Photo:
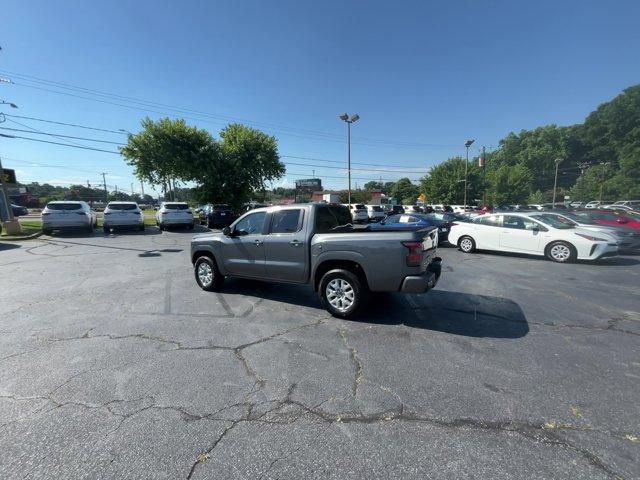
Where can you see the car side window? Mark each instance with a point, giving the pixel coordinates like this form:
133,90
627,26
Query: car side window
511,221
251,224
286,221
392,219
491,220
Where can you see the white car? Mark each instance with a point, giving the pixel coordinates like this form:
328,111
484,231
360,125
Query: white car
122,214
62,215
173,214
592,204
532,233
358,213
376,213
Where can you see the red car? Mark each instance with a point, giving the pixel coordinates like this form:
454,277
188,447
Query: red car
610,217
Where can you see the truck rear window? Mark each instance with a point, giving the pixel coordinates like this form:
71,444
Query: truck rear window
176,206
330,217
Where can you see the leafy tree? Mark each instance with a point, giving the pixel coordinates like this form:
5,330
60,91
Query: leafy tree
445,182
509,184
230,170
404,190
373,185
537,197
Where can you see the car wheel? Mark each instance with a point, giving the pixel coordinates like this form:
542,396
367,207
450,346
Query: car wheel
106,229
161,227
207,274
141,228
561,252
90,228
466,244
341,293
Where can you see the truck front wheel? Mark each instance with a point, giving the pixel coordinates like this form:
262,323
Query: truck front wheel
341,293
207,274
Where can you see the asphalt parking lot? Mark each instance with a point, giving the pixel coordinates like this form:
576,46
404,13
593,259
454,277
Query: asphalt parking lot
114,364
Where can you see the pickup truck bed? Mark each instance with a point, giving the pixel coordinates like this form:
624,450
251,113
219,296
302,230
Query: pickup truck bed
315,244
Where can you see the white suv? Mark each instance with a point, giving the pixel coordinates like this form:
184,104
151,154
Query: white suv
122,214
358,213
174,214
375,213
62,215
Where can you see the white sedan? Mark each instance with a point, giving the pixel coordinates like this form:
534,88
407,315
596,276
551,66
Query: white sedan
532,233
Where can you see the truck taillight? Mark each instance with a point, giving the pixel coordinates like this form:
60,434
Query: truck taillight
414,257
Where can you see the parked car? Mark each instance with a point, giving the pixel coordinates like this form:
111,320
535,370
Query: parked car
218,216
19,210
592,204
252,206
632,204
315,244
359,213
375,212
627,239
394,209
122,214
532,233
412,209
416,221
173,214
613,217
66,215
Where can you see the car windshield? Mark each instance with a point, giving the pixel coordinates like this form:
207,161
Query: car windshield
64,206
580,218
553,221
359,206
376,208
176,206
122,206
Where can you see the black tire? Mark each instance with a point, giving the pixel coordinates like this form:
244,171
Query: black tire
561,252
190,227
106,230
216,280
353,285
161,227
47,231
141,228
90,228
467,244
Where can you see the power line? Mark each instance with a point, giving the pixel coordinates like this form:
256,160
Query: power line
60,136
65,124
35,130
145,104
58,143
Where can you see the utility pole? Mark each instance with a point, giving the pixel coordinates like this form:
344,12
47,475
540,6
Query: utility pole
483,164
104,184
467,144
142,187
555,183
132,189
604,166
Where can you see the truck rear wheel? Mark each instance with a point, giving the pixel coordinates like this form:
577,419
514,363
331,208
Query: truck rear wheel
207,274
341,293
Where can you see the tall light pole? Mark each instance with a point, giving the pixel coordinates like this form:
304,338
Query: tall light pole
467,144
345,118
555,183
12,225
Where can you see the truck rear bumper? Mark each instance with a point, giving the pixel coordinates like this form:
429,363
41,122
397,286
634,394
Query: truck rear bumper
424,282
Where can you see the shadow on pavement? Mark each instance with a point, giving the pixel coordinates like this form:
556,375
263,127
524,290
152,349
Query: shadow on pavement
8,246
438,310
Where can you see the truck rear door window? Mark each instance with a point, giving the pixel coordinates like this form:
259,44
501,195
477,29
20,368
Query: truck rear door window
330,217
286,221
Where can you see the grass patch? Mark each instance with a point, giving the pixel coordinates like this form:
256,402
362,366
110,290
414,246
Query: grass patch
29,227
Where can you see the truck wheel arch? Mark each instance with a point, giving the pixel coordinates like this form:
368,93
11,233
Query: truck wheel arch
350,265
204,253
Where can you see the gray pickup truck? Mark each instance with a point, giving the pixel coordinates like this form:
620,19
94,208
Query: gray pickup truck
316,244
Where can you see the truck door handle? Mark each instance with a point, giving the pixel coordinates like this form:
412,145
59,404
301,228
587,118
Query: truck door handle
295,243
257,241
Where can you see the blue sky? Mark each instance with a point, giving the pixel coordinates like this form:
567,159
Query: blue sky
423,76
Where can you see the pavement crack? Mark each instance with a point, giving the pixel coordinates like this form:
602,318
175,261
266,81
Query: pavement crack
357,362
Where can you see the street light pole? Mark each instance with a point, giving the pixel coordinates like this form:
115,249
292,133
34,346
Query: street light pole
467,144
349,120
555,183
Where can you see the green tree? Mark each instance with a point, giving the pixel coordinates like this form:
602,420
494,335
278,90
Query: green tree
405,191
445,182
230,170
509,184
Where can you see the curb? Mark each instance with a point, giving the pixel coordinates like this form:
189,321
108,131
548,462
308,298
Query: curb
17,239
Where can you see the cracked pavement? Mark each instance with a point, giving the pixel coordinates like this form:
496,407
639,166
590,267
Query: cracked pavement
114,364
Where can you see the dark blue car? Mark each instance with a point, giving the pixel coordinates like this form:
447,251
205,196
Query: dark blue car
414,221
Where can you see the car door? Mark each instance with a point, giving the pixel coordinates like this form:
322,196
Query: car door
284,246
520,234
487,234
243,251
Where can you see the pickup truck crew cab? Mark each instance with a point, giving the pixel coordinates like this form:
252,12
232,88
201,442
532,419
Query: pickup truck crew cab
316,244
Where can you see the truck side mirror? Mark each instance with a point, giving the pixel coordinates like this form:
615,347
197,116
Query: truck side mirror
227,232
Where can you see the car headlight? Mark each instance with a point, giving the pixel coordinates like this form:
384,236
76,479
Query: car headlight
591,238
